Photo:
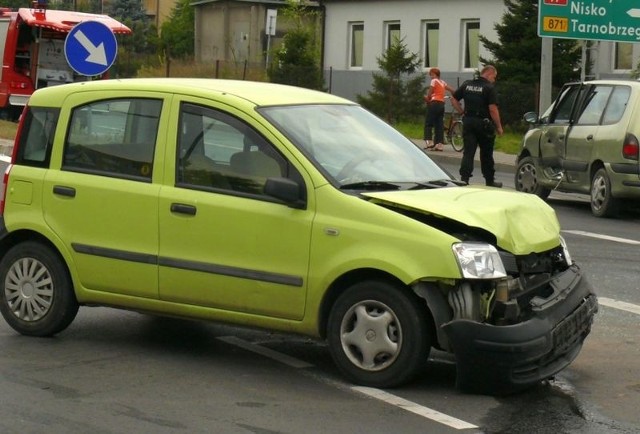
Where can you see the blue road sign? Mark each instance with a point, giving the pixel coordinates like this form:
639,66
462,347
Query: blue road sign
90,48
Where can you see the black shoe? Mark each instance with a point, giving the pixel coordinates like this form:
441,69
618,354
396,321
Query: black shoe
465,180
496,184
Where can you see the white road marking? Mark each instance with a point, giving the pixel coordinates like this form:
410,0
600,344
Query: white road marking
414,408
610,302
282,358
617,304
603,237
378,394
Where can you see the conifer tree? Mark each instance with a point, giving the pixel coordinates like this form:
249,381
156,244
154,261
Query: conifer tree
517,53
397,94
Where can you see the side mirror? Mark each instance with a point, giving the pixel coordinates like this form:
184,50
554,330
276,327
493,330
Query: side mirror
286,190
531,117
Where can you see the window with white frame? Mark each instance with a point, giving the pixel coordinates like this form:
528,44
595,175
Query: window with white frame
356,46
471,44
392,33
623,54
431,32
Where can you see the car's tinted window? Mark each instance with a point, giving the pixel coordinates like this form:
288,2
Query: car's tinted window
594,104
218,151
564,108
617,104
113,137
36,139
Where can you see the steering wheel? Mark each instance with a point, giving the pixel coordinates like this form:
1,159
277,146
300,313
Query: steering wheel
345,172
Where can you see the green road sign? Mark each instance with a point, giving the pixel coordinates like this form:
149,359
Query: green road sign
602,20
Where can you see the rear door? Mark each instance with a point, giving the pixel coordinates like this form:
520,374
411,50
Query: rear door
583,136
100,199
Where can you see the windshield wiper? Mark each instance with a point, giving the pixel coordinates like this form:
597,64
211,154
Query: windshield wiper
437,183
370,185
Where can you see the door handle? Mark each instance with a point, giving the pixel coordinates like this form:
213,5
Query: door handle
64,191
182,208
590,137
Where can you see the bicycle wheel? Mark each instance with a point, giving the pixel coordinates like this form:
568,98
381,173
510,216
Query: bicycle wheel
455,136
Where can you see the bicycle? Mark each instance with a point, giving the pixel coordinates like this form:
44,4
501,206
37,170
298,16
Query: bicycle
453,130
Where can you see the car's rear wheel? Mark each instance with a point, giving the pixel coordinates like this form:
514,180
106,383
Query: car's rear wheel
36,297
378,334
527,179
603,204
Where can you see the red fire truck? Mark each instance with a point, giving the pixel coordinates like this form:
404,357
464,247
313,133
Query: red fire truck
32,51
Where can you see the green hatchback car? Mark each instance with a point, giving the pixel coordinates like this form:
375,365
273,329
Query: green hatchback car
286,209
586,142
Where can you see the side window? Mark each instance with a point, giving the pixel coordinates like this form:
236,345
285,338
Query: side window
217,151
562,112
36,140
594,105
113,138
617,104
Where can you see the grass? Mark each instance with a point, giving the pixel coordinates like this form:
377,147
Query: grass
508,143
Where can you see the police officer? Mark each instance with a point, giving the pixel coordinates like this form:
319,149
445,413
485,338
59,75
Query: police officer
481,122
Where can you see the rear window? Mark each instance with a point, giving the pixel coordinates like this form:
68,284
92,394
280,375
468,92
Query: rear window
114,138
36,138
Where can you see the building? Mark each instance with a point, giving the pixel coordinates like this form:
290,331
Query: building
444,33
239,30
355,33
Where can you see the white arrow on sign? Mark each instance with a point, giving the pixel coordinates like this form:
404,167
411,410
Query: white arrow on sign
96,54
634,13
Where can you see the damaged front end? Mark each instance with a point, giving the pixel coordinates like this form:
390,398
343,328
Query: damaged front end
513,320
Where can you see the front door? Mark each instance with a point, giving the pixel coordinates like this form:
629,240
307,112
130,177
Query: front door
223,243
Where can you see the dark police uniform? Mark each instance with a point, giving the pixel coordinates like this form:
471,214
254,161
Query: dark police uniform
478,128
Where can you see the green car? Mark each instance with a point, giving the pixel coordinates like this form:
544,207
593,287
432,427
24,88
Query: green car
586,142
286,209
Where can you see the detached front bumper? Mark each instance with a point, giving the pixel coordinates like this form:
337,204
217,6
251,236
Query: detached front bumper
502,359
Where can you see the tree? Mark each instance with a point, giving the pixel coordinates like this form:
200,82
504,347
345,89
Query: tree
141,45
297,61
177,36
517,54
396,94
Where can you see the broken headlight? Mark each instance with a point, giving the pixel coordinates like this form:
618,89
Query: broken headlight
565,252
479,261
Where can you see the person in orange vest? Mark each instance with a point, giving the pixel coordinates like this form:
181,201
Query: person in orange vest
434,121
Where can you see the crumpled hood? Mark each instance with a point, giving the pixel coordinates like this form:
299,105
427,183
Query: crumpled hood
522,223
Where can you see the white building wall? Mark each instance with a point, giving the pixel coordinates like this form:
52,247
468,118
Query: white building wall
410,14
451,14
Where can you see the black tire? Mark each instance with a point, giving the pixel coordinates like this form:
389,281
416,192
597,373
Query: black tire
455,136
36,296
603,204
378,334
527,179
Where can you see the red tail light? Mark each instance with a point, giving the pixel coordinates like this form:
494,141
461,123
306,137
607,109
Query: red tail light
630,148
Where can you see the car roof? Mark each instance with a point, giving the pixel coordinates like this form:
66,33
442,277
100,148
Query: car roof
257,93
634,83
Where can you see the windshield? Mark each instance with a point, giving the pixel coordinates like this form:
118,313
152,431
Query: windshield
353,147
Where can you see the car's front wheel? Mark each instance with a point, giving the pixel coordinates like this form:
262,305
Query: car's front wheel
528,179
36,296
603,204
378,334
